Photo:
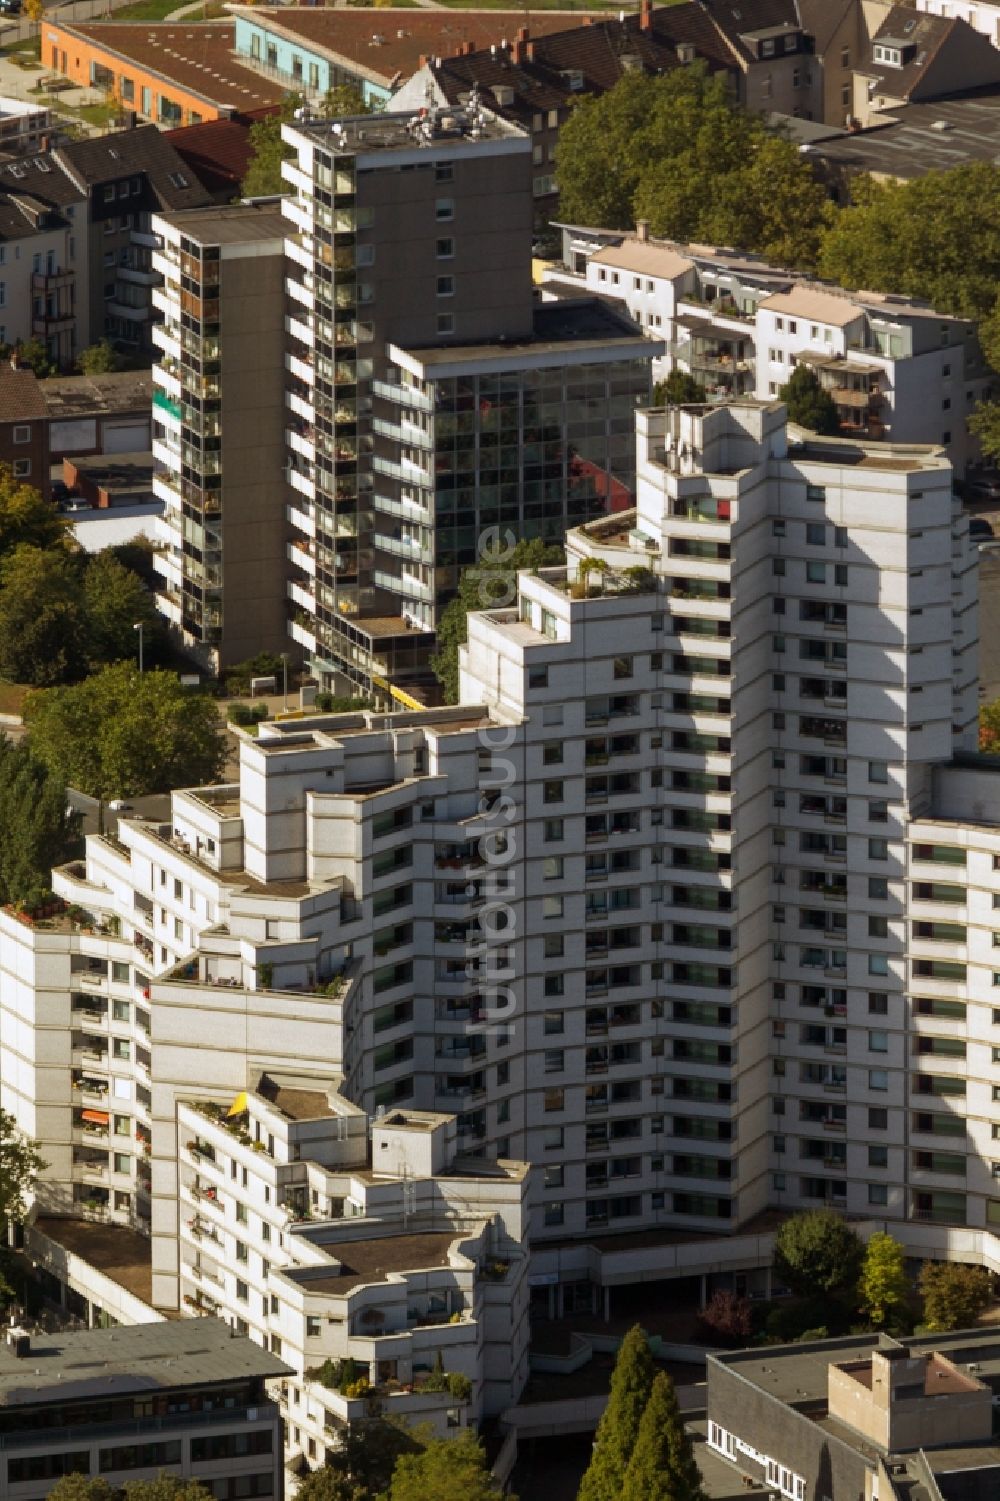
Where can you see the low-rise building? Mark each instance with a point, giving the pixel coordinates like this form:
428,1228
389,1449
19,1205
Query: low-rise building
98,414
916,57
867,1416
183,1398
895,367
23,126
24,428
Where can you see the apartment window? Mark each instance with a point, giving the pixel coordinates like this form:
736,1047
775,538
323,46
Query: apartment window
444,172
538,677
552,868
878,1003
553,830
445,249
878,1193
553,1214
123,1125
554,1099
815,534
552,792
121,1011
22,433
552,1023
121,1048
878,1042
878,927
878,1079
623,667
878,771
815,573
878,1156
446,286
552,906
878,849
22,468
878,1118
878,888
552,753
553,945
445,323
444,209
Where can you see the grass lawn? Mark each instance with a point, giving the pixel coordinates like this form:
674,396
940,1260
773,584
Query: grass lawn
90,114
29,47
12,696
159,10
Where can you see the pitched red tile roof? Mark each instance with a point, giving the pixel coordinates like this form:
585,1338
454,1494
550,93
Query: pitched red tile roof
218,151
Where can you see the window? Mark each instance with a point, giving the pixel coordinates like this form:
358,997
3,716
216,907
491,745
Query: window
22,432
552,1023
878,1156
552,792
445,323
552,868
552,753
553,830
123,1162
815,534
878,771
878,1078
22,468
878,1193
554,1100
446,286
878,1118
878,1042
815,573
445,249
444,209
120,1048
121,1011
538,677
552,906
444,172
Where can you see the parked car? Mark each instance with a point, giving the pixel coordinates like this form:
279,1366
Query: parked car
979,488
980,529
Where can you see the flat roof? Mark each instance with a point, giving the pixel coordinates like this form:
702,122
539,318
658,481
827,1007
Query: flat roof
196,56
371,1260
388,47
142,1358
909,141
230,223
445,126
297,1103
122,1254
72,396
559,328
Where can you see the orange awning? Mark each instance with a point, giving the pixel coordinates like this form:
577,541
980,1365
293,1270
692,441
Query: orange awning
97,1117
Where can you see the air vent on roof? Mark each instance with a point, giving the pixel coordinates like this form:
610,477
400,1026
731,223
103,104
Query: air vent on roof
941,125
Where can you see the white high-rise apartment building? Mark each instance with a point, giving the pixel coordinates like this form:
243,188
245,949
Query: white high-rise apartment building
895,367
671,907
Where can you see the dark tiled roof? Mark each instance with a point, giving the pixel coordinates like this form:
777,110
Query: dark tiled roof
21,398
601,52
144,149
218,151
926,36
736,18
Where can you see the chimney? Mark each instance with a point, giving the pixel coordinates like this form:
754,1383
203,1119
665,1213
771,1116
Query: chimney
518,49
522,34
587,21
421,61
646,15
642,229
529,51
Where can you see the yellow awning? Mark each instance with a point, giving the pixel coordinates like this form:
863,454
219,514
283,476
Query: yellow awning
240,1105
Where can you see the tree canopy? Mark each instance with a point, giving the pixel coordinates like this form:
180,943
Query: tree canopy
662,1466
26,519
808,404
122,733
36,832
98,359
936,236
115,600
816,1253
263,175
679,389
954,1294
492,581
42,617
446,1469
883,1287
20,1164
618,1430
96,1488
675,150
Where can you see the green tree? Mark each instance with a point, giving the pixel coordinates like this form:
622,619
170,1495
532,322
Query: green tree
98,359
36,832
20,1164
34,354
166,1488
662,1467
447,1469
491,582
82,1488
937,236
954,1294
883,1287
115,600
344,99
989,727
263,175
121,733
41,617
817,1254
327,1484
618,1430
674,149
808,404
984,424
26,519
679,389
366,1456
